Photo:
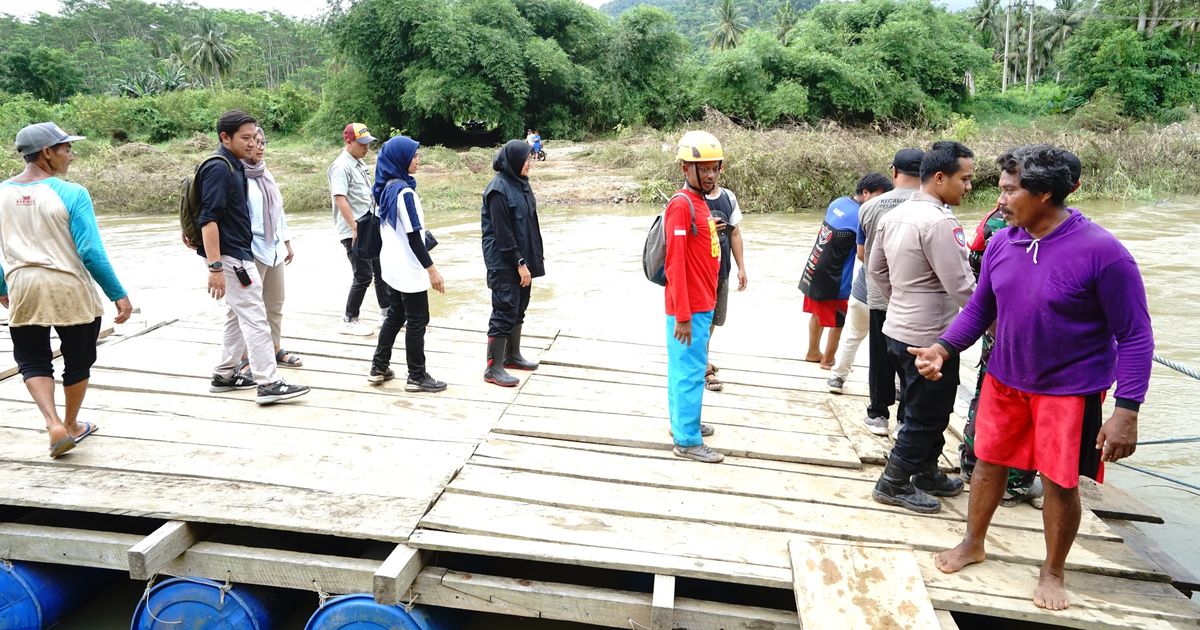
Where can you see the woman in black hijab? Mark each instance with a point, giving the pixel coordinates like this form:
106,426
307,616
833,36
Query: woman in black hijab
512,250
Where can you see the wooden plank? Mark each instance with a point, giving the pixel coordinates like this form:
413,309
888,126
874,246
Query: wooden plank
1109,501
811,419
584,604
544,385
946,620
662,603
648,432
64,545
572,554
808,484
957,592
795,389
179,415
209,500
306,466
629,523
151,553
1182,578
871,448
1088,593
858,586
397,573
273,567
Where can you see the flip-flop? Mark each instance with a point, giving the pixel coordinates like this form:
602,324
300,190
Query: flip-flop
61,446
712,383
88,429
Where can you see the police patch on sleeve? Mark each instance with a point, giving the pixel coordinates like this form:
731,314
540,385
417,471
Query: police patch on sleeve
960,236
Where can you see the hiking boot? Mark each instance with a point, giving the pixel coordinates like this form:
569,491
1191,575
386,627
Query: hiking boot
512,353
895,488
938,484
700,453
378,376
351,326
495,372
705,430
278,391
229,383
878,426
906,496
835,384
424,383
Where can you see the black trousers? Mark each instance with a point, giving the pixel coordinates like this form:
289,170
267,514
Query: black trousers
410,310
881,374
364,270
509,301
31,349
927,408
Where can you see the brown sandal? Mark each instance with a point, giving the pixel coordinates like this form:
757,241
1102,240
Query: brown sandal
712,383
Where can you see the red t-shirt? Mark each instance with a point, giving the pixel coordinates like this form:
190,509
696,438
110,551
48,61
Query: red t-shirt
693,260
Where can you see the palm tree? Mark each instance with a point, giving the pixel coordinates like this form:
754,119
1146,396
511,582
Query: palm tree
209,53
727,31
1055,26
987,17
785,20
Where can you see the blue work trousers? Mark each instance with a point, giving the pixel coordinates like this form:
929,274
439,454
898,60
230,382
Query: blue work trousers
686,366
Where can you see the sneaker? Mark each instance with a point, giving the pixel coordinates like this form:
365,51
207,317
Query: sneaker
378,376
229,383
905,495
938,484
1016,495
835,384
424,383
878,426
700,453
351,326
278,391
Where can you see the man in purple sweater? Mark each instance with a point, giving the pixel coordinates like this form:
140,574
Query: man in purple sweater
1071,317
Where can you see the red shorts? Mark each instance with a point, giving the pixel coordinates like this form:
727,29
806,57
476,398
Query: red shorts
830,313
1055,435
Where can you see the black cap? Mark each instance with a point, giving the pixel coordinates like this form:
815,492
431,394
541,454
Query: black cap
908,161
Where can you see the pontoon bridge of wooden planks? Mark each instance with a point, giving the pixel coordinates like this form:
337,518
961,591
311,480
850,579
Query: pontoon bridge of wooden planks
559,499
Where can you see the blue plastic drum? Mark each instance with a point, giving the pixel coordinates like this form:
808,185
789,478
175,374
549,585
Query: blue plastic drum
361,612
35,596
197,604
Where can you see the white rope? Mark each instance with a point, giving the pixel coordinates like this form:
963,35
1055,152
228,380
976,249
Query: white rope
633,625
225,589
412,602
322,596
149,609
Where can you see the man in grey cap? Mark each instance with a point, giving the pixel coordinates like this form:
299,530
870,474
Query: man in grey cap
51,258
881,375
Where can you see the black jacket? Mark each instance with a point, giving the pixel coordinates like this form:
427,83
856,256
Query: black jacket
509,218
223,200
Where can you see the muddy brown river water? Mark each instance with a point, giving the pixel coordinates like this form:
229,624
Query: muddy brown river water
594,284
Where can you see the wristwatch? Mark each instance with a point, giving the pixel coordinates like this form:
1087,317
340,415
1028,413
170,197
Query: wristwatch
520,262
215,266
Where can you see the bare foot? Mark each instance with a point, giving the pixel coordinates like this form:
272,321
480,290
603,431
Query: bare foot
826,366
814,358
1051,592
58,433
953,560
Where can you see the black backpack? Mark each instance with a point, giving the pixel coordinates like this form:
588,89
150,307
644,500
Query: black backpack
654,252
189,203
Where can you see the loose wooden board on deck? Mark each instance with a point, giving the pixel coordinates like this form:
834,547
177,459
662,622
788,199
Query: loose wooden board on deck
839,585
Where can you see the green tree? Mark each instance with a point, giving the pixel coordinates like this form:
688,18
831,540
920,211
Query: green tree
987,18
47,73
785,20
727,31
209,53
